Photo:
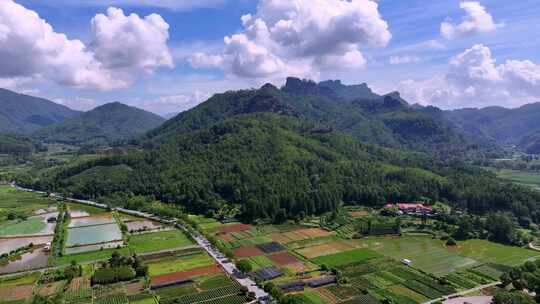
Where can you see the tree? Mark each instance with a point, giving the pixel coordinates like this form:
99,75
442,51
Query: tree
465,228
244,266
500,227
512,298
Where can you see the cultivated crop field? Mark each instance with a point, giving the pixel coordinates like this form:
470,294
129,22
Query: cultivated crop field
487,251
425,252
158,241
354,256
176,264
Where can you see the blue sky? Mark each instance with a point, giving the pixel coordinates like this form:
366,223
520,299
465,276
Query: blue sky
488,54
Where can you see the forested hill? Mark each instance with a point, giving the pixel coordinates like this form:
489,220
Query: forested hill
23,114
105,124
16,144
518,126
383,120
279,166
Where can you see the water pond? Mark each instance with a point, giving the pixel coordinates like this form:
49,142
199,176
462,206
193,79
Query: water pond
7,245
93,235
29,261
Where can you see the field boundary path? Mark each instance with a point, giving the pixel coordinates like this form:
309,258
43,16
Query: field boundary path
219,257
464,292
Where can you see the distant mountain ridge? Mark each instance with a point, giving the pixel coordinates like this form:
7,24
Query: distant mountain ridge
386,120
23,114
519,126
102,125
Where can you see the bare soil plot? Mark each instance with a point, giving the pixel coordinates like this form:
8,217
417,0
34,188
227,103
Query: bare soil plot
280,238
234,228
299,267
142,225
324,249
184,275
227,238
51,288
313,232
14,293
246,252
134,288
358,213
283,259
299,235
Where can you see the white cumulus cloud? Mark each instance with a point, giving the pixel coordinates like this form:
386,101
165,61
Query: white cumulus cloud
475,79
121,47
131,42
303,37
477,20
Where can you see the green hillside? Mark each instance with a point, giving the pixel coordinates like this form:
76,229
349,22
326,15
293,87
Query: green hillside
103,125
23,114
507,126
276,166
383,120
11,144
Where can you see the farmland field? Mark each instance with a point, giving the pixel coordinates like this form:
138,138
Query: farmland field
175,264
487,251
157,241
425,252
346,257
20,201
324,249
531,179
27,227
88,256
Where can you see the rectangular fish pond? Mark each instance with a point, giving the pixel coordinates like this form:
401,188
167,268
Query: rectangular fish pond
90,235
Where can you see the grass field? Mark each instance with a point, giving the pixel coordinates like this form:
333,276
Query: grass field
346,257
157,241
27,227
519,177
88,256
487,251
426,253
20,201
259,262
175,264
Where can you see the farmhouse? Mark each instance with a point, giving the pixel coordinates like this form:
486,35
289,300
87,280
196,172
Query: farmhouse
411,208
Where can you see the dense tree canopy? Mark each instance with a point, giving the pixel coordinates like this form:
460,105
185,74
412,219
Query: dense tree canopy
277,167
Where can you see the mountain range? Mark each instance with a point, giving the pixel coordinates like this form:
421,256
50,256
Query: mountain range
23,114
519,126
301,149
385,120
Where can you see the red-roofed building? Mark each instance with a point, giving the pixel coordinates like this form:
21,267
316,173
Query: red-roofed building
410,207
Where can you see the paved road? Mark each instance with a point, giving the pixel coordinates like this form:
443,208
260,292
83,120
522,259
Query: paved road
461,293
220,258
229,267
